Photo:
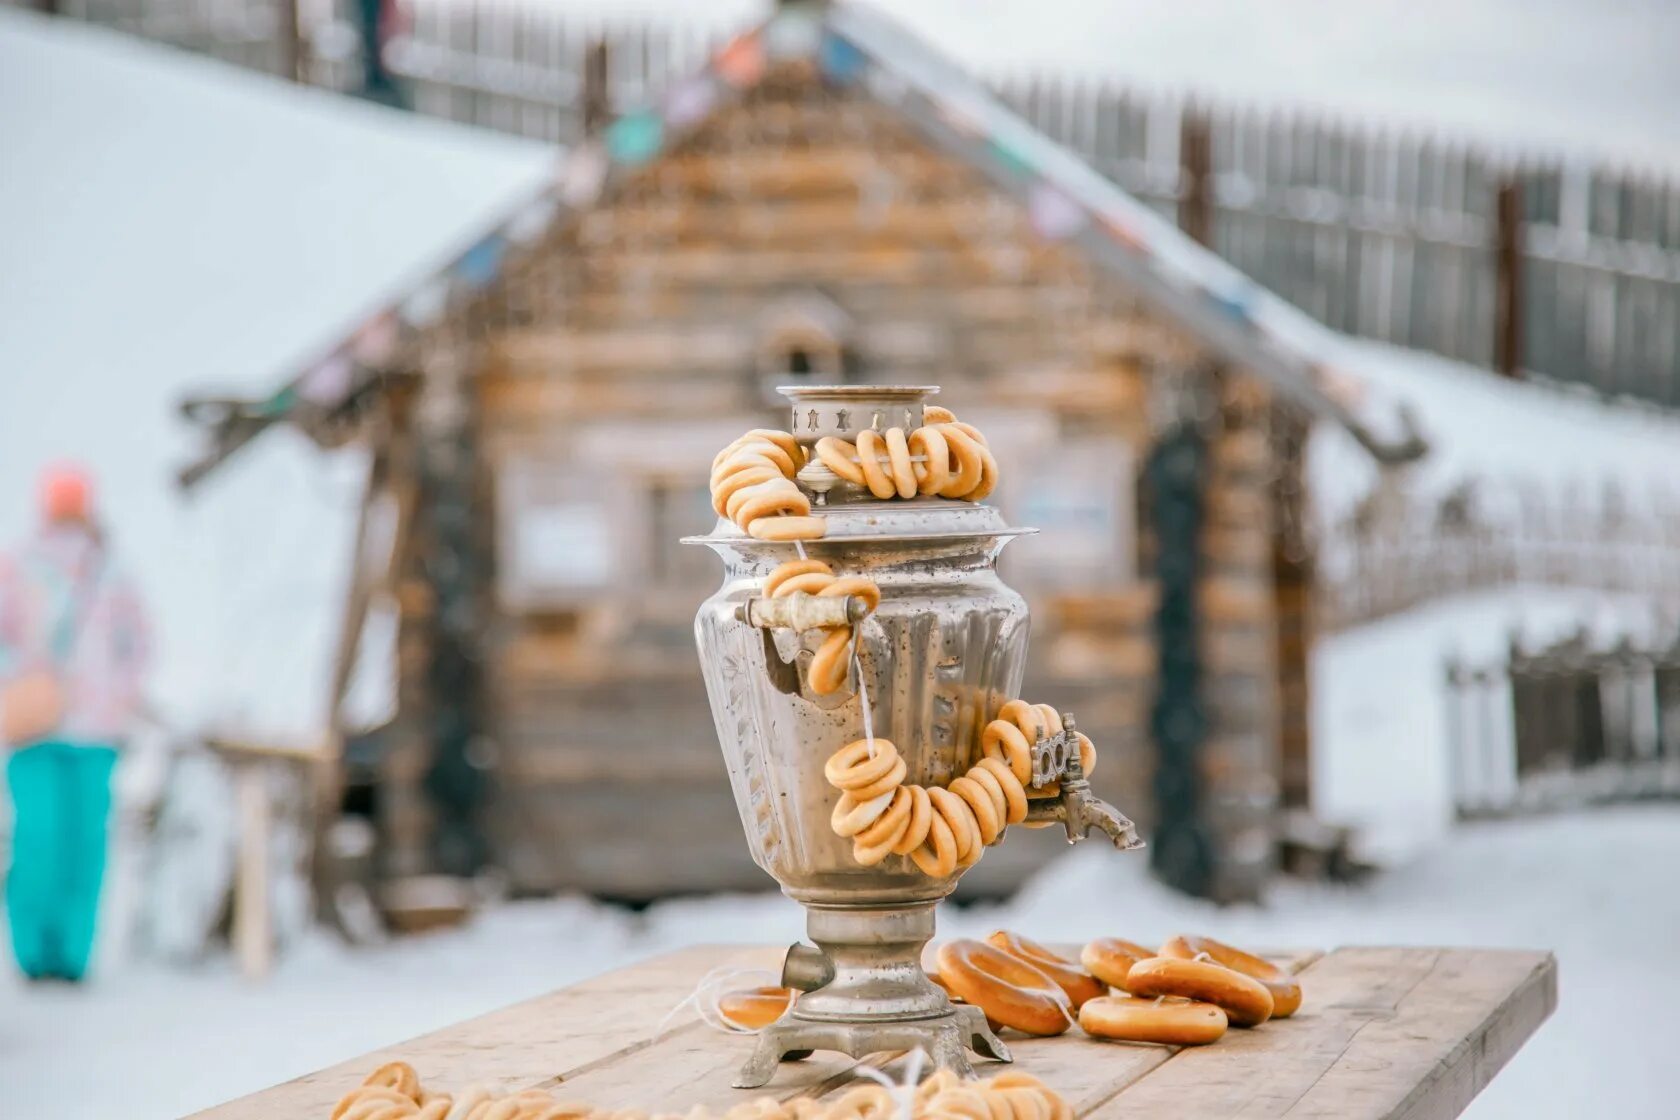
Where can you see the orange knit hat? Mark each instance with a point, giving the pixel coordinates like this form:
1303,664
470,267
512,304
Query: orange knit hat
66,493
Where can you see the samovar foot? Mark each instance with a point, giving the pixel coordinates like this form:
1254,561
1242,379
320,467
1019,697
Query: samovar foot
980,1036
761,1067
946,1039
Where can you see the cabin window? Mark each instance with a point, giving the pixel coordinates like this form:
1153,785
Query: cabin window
804,338
678,509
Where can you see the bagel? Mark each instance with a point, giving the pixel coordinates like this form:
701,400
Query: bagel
1109,959
1285,989
1245,1000
1009,990
1176,1022
942,830
832,660
753,1009
1079,984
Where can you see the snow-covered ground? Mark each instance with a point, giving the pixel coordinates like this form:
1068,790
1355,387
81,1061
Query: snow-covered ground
1597,889
1380,703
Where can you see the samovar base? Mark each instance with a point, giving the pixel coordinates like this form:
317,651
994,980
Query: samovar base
946,1039
863,992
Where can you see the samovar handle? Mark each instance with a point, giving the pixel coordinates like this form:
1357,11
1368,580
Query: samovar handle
798,612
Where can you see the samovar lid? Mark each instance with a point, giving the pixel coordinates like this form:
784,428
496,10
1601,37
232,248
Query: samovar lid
918,519
854,516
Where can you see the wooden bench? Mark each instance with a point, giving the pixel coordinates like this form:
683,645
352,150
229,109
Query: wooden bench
1412,1033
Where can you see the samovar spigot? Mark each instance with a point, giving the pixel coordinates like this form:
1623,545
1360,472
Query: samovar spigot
1056,758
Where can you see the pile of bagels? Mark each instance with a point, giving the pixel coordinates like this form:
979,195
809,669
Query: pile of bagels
393,1092
752,479
1187,994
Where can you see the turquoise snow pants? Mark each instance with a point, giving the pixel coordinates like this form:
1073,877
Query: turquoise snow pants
61,800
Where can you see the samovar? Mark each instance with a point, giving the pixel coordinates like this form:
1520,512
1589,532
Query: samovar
934,661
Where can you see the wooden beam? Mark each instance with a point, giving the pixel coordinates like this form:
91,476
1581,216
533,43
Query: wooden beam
1195,161
1508,273
597,88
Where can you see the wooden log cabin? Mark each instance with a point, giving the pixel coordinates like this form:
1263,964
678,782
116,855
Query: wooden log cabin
829,200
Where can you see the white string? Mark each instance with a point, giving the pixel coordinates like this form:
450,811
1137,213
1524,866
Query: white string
903,1092
863,689
800,547
707,996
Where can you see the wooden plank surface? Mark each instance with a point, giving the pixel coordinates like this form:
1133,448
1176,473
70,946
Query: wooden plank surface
1394,1033
1386,1033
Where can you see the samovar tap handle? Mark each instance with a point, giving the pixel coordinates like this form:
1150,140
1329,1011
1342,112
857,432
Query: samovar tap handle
1057,757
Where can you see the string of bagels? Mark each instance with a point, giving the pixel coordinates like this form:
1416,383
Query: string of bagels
944,828
1185,994
394,1092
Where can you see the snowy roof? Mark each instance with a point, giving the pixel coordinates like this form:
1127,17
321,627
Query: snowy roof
1067,201
171,222
1502,437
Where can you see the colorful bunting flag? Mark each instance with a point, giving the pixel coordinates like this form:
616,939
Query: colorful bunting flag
958,117
1011,157
741,61
328,383
533,221
482,262
280,403
840,61
635,137
1053,214
582,176
1120,230
376,342
793,33
1235,301
689,101
427,304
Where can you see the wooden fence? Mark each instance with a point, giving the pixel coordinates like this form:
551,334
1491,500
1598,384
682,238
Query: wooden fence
1381,233
1564,726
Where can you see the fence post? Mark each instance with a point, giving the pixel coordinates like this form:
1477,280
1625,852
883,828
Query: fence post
289,40
597,97
1195,166
1508,293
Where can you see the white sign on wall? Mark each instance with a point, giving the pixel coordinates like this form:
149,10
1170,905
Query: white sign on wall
556,533
1080,496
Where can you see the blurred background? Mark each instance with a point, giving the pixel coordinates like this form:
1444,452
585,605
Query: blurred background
388,342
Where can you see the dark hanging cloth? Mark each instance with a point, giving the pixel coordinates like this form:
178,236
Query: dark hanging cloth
1181,851
378,22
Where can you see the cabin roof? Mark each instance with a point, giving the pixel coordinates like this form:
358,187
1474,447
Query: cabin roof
856,47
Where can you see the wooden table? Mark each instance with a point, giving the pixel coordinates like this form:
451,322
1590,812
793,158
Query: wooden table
1412,1033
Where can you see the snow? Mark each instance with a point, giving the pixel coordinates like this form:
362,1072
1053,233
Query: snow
1585,886
1506,435
1379,702
1568,75
174,224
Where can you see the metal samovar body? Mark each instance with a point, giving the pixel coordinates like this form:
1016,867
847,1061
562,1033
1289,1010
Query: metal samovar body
942,652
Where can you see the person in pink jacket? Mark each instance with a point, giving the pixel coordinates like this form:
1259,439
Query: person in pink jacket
73,651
